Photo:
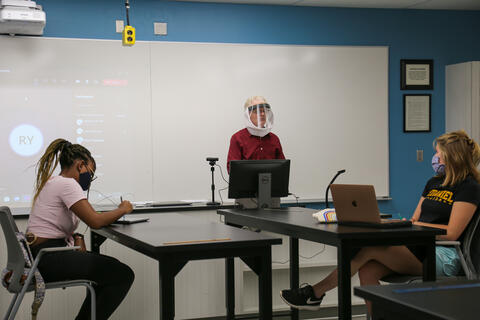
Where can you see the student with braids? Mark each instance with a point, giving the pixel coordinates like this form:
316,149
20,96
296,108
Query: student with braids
449,201
58,205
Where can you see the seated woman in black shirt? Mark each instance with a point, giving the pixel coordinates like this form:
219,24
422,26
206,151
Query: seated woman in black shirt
449,201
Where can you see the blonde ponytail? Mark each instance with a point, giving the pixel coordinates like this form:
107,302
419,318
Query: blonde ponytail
461,155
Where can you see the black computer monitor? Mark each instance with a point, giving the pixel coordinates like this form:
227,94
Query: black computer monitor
261,179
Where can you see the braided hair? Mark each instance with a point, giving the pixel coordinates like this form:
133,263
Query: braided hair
60,150
461,155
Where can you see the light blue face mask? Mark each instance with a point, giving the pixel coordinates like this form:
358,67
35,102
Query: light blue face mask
438,167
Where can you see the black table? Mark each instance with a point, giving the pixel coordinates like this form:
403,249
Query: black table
298,223
174,239
165,208
427,301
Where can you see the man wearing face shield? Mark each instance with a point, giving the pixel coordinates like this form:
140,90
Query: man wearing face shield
255,141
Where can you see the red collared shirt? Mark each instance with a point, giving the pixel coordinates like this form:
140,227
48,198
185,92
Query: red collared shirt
244,146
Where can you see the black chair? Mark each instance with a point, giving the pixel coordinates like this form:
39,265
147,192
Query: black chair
16,263
469,255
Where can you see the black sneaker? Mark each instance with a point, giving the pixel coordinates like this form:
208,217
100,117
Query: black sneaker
302,298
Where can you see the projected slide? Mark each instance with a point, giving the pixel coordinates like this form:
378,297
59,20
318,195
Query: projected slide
29,120
53,89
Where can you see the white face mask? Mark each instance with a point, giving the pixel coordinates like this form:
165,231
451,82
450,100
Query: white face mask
264,115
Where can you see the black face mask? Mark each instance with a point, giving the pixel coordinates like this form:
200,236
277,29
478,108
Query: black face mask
84,179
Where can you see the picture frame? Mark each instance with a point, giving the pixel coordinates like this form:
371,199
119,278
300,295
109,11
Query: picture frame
417,116
416,74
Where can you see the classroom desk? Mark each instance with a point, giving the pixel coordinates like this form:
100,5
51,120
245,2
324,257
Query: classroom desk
427,301
298,223
174,239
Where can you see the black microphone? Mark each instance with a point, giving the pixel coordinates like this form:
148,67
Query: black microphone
328,187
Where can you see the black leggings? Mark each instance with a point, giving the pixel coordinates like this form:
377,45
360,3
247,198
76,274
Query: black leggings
112,277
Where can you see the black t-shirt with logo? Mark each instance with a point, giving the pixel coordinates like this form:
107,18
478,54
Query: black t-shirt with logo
438,202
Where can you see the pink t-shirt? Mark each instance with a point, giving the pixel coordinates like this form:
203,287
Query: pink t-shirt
51,216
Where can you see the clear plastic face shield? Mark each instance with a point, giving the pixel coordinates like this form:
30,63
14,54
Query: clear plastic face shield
259,119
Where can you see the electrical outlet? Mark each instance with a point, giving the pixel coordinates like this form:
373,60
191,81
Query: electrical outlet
119,26
419,155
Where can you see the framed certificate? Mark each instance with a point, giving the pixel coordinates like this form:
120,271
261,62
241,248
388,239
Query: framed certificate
416,74
417,112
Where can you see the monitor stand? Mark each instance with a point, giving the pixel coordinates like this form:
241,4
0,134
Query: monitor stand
264,199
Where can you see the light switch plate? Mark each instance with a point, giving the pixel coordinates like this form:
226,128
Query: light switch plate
160,28
419,155
119,26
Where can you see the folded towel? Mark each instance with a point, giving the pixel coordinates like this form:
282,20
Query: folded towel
326,215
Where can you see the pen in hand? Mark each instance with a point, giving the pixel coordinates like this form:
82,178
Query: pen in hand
121,200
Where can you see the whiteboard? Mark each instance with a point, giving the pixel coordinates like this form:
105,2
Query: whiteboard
152,113
330,105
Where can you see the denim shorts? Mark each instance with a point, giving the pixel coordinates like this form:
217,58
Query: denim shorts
447,261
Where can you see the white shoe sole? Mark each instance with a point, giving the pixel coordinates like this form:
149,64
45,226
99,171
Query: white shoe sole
303,307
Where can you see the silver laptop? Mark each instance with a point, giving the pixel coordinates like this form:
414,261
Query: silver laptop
356,205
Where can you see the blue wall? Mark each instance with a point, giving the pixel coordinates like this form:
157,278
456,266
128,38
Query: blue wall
447,37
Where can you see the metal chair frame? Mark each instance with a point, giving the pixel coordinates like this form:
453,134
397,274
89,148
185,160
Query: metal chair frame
16,263
464,252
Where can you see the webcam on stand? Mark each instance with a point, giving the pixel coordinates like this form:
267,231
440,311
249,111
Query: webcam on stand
212,161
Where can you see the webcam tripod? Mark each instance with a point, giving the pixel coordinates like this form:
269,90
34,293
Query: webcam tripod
212,162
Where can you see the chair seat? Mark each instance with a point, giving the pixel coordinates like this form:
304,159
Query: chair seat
396,278
16,263
60,284
400,278
66,284
468,253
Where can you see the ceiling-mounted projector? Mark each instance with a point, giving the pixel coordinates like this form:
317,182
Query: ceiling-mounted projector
21,17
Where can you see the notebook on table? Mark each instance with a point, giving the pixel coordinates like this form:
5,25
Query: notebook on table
356,205
170,203
130,220
150,204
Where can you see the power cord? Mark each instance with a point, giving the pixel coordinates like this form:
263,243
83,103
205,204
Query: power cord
293,194
220,194
86,229
290,193
221,173
107,197
303,257
104,197
316,254
220,190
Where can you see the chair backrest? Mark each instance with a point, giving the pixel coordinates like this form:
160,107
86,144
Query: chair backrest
16,260
471,247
